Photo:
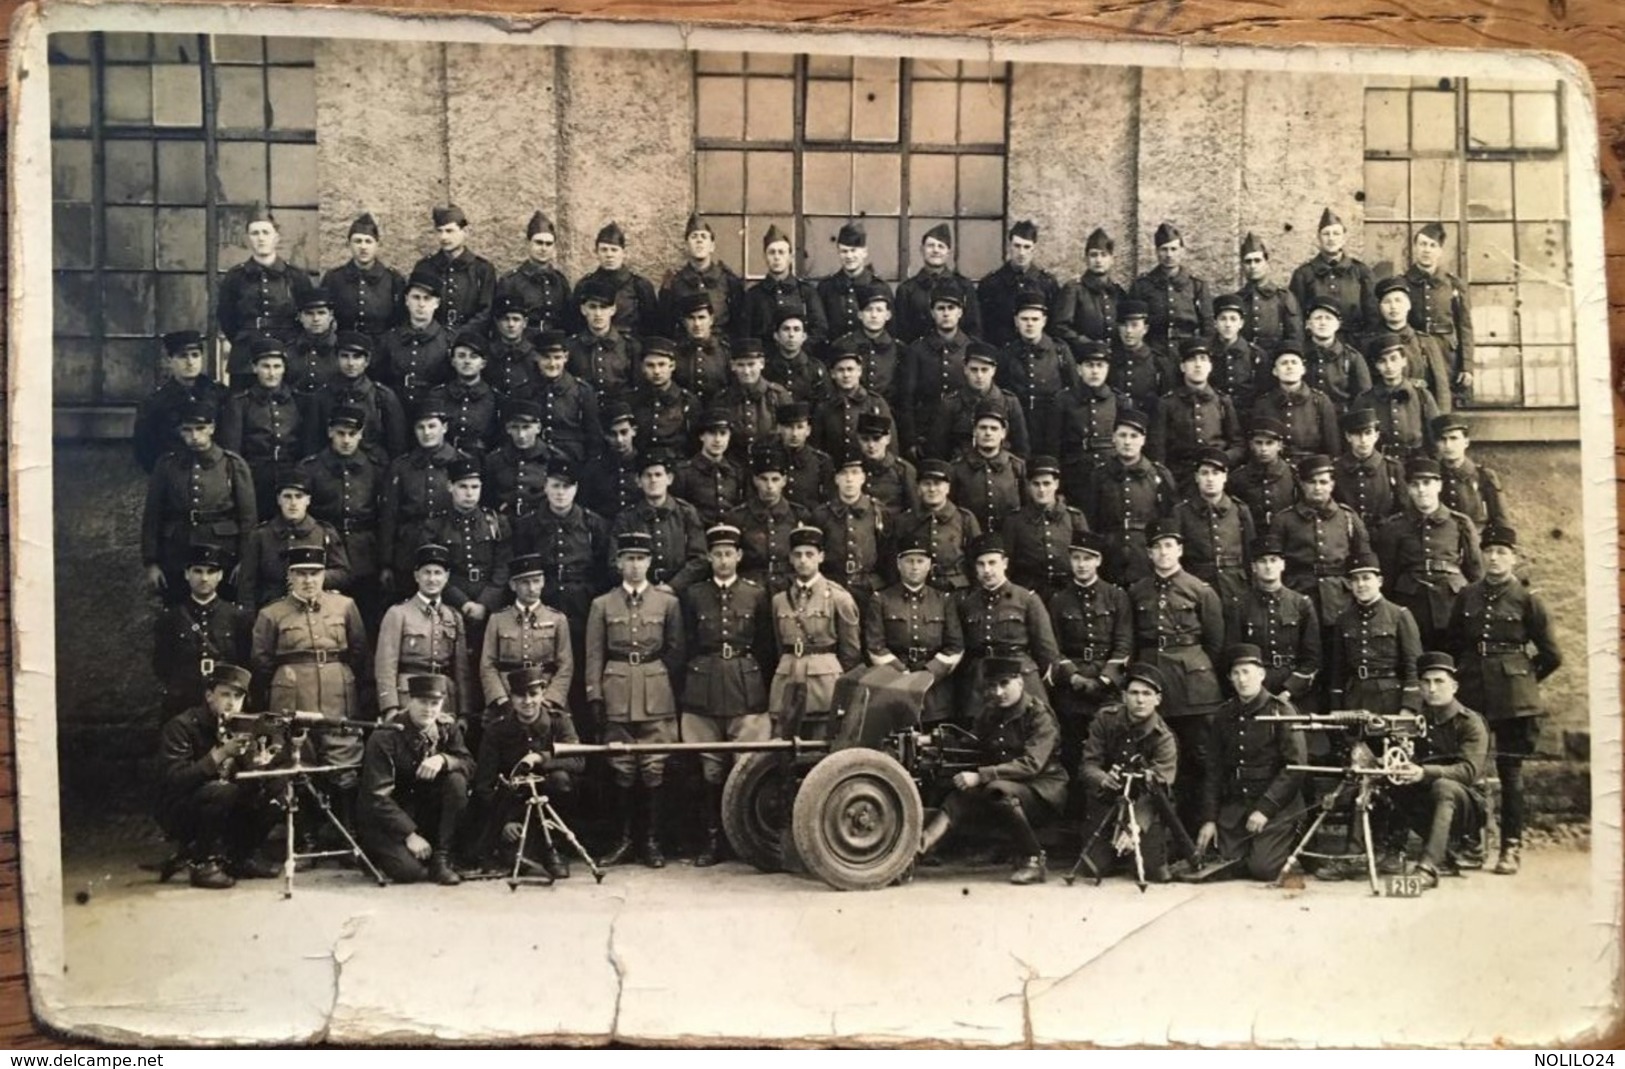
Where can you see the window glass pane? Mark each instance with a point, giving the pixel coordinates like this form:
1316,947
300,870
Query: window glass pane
769,109
826,184
769,183
68,46
720,108
127,95
1534,120
1387,128
1385,247
230,48
242,98
72,236
981,185
1433,121
1545,314
1387,189
931,185
130,47
181,179
1489,120
128,307
755,230
1539,188
1543,252
771,63
981,113
176,48
883,246
290,50
720,181
73,371
128,370
1494,314
293,174
876,100
127,172
293,97
730,238
1491,255
933,113
242,172
70,96
829,66
181,239
1435,189
877,184
820,259
1548,377
719,62
71,175
1489,190
129,238
299,242
829,111
981,246
1497,376
933,68
73,298
177,95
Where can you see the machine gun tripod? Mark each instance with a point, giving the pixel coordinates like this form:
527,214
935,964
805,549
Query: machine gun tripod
1137,781
539,809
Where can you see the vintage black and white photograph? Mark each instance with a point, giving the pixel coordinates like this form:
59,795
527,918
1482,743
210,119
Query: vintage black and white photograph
676,535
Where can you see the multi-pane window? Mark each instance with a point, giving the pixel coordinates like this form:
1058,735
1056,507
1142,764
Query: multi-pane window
161,143
1485,160
809,142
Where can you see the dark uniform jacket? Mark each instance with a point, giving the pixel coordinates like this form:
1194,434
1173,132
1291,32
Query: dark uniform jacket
1456,746
764,539
1127,498
607,362
893,483
1088,414
1427,560
196,497
998,293
347,492
702,366
1492,627
545,293
803,374
809,474
514,482
1142,375
1474,491
1021,743
1284,626
678,553
1247,760
1270,315
1094,628
725,288
263,576
992,487
1241,369
946,532
712,486
1337,370
412,362
753,411
855,541
1373,487
1116,739
1218,539
471,410
574,545
609,484
185,762
1179,627
1427,365
417,489
385,434
835,420
950,431
1319,544
637,308
390,789
932,367
1309,417
570,416
506,742
509,364
1179,303
1038,541
1087,310
1010,621
189,639
1372,660
517,637
371,301
265,427
1346,281
913,317
481,545
1266,489
262,299
158,421
468,283
666,418
917,630
839,295
730,630
1440,308
880,355
1190,419
312,360
1038,373
766,297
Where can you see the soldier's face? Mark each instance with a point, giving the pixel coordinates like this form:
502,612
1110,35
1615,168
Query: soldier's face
1020,253
203,580
1424,493
1127,442
511,327
1141,699
268,371
622,437
699,323
465,493
1391,366
1426,252
561,493
1323,325
874,316
795,434
1289,369
1395,307
431,579
344,440
714,440
1166,553
805,561
1438,687
451,236
1004,692
1498,561
1093,372
306,583
293,504
724,561
1171,254
1362,443
655,482
777,258
847,374
598,315
550,364
1366,586
1044,488
363,249
262,239
933,492
430,432
657,371
791,336
527,704
979,375
316,320
1248,679
1098,261
934,252
1318,488
1030,324
1266,448
1210,481
991,569
1228,325
853,257
1132,331
1085,565
946,315
988,435
187,364
610,257
849,482
352,363
467,362
1333,238
769,486
423,712
541,247
874,446
421,306
915,568
634,568
225,700
701,245
1453,446
747,371
1197,368
527,589
1255,266
1267,570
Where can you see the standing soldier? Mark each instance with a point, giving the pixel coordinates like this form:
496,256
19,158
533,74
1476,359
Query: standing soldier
264,572
635,648
1468,487
855,533
1331,364
750,401
701,354
424,635
527,636
480,545
1238,364
1266,484
416,490
809,472
914,627
667,413
369,296
346,488
1039,534
537,284
1001,619
877,351
468,282
949,429
510,358
1282,623
603,354
1088,412
940,525
157,422
713,480
1441,307
636,308
987,478
779,287
1193,417
703,273
1037,369
724,696
198,633
1087,311
1094,631
311,355
1177,300
1494,623
841,293
415,357
199,494
1307,415
1364,478
516,472
384,418
265,423
1139,372
917,295
1270,313
1333,273
889,479
609,482
847,400
261,295
1217,530
569,406
933,366
1371,658
1131,493
819,637
572,544
677,537
1428,553
1320,539
1425,362
998,293
765,520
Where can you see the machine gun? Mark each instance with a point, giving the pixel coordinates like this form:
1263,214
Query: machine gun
1123,821
269,737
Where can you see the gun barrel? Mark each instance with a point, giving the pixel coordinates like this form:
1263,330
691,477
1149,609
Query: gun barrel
587,749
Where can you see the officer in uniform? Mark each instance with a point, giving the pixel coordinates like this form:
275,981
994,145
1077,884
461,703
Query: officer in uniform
424,635
1334,274
569,406
1252,797
841,293
855,533
1374,644
1001,619
197,633
1023,783
202,493
1270,314
1266,484
1440,306
609,481
157,421
515,474
264,569
369,296
1177,301
521,743
933,366
1467,486
384,418
414,789
779,287
1283,625
1320,539
1088,413
468,283
941,526
667,413
998,293
1094,631
1087,310
1216,529
1133,491
917,295
415,357
987,478
915,627
1365,478
677,537
346,486
713,480
724,695
818,630
1493,625
218,823
417,490
1039,534
1428,552
765,520
265,423
539,286
1127,734
1037,369
528,636
635,649
1193,418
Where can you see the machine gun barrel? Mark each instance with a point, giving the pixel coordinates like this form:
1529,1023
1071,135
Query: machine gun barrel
1401,723
590,749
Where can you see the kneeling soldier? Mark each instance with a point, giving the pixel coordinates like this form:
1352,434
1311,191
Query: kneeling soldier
521,743
1023,783
1122,737
414,789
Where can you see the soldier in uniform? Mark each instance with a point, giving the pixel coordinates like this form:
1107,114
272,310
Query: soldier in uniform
468,282
157,421
1038,370
569,406
1023,783
416,491
724,695
835,420
713,480
1193,417
1467,486
819,637
311,355
369,296
791,362
609,482
1493,625
1039,534
1087,310
265,424
668,414
702,354
522,741
998,293
1138,371
346,488
1283,625
1441,307
1217,530
1307,415
1371,657
1271,315
1266,484
856,533
261,295
877,351
1001,619
414,789
510,358
1425,362
635,649
603,354
263,575
425,635
987,478
573,545
933,366
1240,367
915,296
751,402
951,430
940,525
842,294
1179,630
765,518
914,627
1252,797
809,472
415,357
1088,411
218,824
1132,492
1094,631
890,480
515,473
1332,365
1178,301
1320,539
677,536
779,287
479,543
1335,274
537,284
528,636
1126,734
198,633
1428,552
383,416
201,493
1364,478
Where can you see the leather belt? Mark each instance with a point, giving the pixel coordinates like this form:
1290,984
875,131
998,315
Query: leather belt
799,648
1001,650
431,668
474,575
727,652
314,657
1362,672
195,516
1085,653
1278,660
352,526
1174,642
1433,567
549,667
1499,647
917,656
634,658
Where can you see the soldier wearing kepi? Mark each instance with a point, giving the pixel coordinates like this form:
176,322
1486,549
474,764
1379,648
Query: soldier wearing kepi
1364,478
677,535
479,544
933,366
818,630
1371,656
1131,493
1132,733
1266,484
635,648
1252,797
914,627
1023,784
1037,369
1283,625
521,743
1493,625
766,520
202,493
573,545
856,532
515,475
941,526
158,421
217,824
1320,539
527,635
424,636
1428,553
568,406
265,424
261,294
1467,486
1094,630
264,571
724,695
1001,619
415,357
345,490
198,633
1088,412
414,789
1040,533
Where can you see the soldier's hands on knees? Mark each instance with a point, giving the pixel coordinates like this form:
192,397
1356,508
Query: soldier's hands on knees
1113,781
1256,822
1206,837
156,580
418,846
431,766
964,781
511,831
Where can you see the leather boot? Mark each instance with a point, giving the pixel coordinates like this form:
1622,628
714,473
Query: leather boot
711,852
1511,858
652,854
623,846
211,875
1033,869
935,829
553,864
440,870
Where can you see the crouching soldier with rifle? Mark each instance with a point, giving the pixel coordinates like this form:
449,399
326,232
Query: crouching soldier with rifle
520,743
1023,783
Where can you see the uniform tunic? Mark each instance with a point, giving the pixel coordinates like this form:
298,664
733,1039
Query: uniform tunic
1270,316
509,364
347,492
189,639
1427,560
571,426
1266,489
369,300
306,656
1309,417
1241,369
1088,414
1337,371
1021,744
1179,304
158,420
802,374
1008,621
312,360
412,361
208,814
892,482
1142,375
1179,628
609,484
1188,420
385,433
1087,310
1284,626
880,355
637,308
818,631
263,576
1218,539
262,299
269,429
1038,373
764,540
992,487
835,420
932,367
678,556
913,318
468,283
951,430
1374,487
471,410
1094,631
839,295
1346,281
1440,307
481,545
1116,742
1319,543
717,279
945,531
666,418
764,300
543,291
574,547
419,638
1038,540
1426,365
193,498
635,650
753,412
526,636
1371,659
1249,771
607,362
999,292
702,366
730,630
514,481
714,486
1129,497
1492,627
917,630
1474,491
809,475
416,490
393,803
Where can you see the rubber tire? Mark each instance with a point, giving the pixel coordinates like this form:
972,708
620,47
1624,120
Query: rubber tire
748,807
857,820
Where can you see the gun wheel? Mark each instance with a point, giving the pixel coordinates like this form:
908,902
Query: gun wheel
756,801
857,819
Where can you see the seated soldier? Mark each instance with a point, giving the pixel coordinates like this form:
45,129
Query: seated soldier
219,824
1130,736
1023,783
414,789
520,743
1251,799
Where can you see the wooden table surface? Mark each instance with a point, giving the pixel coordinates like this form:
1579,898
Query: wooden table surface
1591,31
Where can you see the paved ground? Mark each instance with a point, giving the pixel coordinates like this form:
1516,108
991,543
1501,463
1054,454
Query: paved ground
729,953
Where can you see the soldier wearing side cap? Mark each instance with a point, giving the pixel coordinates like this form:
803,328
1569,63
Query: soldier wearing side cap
1266,484
537,284
201,493
667,415
702,354
262,578
676,533
1365,479
856,532
1193,418
1138,371
1094,631
1001,619
1087,309
510,358
917,294
779,287
1331,365
1468,487
1179,305
1131,492
791,362
569,407
515,473
932,367
841,293
1125,734
1217,529
415,357
261,295
819,637
609,481
949,429
1428,552
346,491
999,292
1039,533
1240,367
713,479
1270,313
468,282
157,421
750,401
1088,412
1441,306
479,542
987,478
416,490
915,627
1425,360
1335,274
267,424
941,525
311,354
703,272
888,478
1252,797
1037,369
604,354
808,471
384,417
847,400
425,635
1320,539
369,296
521,742
1373,646
1494,624
197,633
530,636
765,519
1282,623
467,398
730,629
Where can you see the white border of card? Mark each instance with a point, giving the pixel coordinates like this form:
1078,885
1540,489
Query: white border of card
917,964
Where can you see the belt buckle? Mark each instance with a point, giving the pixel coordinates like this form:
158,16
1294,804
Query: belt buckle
1277,661
474,575
1087,654
192,517
798,648
526,662
519,506
321,656
918,654
853,567
205,666
1362,672
1162,642
410,380
727,652
634,658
